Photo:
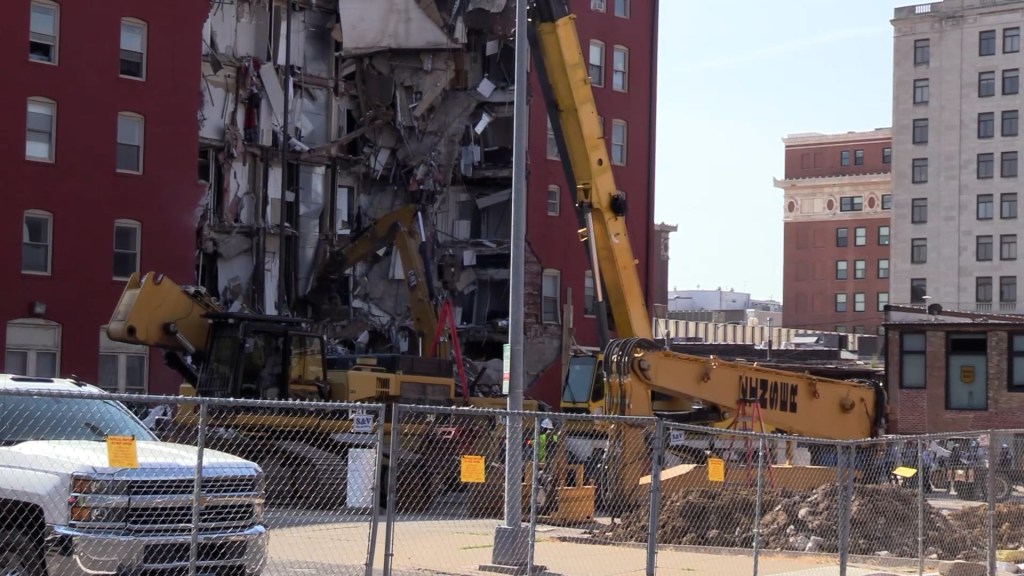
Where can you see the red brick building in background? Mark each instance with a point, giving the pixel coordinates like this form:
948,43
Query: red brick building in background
99,177
620,41
837,206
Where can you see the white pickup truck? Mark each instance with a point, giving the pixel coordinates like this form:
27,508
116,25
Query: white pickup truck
65,511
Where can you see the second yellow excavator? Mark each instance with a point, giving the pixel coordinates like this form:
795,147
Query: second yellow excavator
635,376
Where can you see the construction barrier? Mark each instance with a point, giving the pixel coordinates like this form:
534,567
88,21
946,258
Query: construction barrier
202,485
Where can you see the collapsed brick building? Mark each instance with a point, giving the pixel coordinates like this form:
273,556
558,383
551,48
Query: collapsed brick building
393,102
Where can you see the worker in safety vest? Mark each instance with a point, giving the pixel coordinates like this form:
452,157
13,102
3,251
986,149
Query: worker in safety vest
546,441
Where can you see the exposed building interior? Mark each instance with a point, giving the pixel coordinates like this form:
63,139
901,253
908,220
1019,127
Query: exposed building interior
385,104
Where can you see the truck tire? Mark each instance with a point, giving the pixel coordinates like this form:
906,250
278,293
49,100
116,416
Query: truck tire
18,556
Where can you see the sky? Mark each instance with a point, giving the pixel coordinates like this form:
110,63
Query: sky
734,78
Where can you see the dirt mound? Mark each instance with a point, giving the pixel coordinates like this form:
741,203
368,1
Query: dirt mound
700,517
883,519
972,524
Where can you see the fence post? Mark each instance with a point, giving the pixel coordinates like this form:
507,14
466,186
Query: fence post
845,472
371,549
993,459
757,502
392,497
197,492
657,454
921,480
534,475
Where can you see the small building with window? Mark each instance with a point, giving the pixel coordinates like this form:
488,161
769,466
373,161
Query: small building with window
950,371
104,108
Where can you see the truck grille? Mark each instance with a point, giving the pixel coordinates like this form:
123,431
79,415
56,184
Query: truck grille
163,518
216,486
163,506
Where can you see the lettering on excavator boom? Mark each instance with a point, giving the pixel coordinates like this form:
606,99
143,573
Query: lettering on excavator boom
770,394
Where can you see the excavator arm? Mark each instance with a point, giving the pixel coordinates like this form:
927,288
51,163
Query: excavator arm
635,366
396,228
789,402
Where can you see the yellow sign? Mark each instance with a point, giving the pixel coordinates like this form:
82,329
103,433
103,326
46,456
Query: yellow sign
967,374
472,469
716,470
122,452
905,472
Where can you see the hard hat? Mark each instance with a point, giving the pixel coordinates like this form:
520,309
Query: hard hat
546,424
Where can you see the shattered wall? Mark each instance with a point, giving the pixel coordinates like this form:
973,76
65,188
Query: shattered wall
381,104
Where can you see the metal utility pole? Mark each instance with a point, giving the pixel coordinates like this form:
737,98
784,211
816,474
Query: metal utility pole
511,539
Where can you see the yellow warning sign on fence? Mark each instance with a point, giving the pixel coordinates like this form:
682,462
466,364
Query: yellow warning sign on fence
122,452
716,470
472,468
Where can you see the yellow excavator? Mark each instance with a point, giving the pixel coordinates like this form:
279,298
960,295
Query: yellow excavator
243,354
634,376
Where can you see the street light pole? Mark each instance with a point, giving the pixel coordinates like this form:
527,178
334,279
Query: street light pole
511,541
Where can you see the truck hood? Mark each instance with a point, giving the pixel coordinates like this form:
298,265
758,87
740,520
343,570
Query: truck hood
84,456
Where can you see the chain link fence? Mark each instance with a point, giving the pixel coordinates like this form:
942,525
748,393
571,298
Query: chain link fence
108,484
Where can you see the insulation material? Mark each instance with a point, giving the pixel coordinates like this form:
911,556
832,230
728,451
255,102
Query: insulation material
311,206
237,192
314,116
369,27
275,94
274,195
217,104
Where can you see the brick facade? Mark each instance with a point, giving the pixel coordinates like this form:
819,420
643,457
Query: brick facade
913,411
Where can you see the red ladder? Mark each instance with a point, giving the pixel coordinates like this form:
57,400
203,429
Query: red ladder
743,423
446,319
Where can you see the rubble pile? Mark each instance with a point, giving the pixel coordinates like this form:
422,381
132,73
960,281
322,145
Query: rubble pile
972,524
700,517
883,521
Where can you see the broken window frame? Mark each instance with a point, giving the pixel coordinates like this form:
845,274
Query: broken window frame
596,69
546,297
135,57
120,252
554,200
43,107
620,74
619,138
39,37
123,145
29,243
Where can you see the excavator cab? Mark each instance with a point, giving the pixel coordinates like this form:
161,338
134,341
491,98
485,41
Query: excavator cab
583,389
258,357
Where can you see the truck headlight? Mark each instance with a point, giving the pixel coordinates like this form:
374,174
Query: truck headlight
95,514
106,487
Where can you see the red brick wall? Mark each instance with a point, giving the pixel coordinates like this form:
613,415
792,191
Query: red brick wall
913,411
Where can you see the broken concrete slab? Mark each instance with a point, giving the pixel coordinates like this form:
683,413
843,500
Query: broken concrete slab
384,25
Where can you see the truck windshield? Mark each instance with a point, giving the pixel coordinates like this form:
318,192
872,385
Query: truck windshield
26,418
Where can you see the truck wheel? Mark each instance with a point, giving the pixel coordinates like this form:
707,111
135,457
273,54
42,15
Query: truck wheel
18,556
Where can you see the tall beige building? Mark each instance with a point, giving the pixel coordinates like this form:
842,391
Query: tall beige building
956,147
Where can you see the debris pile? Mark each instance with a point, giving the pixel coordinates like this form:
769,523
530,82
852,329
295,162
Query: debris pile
972,525
700,517
883,521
